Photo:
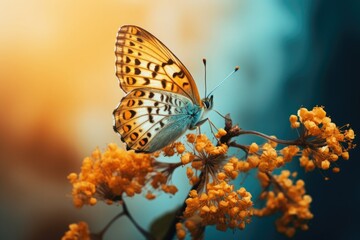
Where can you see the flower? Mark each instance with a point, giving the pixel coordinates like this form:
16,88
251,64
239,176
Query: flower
107,176
205,157
220,205
289,152
77,231
220,133
288,198
323,142
213,199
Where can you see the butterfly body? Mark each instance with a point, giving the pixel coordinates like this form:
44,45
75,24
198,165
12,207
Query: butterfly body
162,99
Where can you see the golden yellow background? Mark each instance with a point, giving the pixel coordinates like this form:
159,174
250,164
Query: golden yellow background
57,93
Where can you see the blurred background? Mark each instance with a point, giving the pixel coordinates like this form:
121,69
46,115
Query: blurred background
58,89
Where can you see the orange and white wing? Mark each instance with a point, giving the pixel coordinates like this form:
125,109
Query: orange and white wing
142,61
149,119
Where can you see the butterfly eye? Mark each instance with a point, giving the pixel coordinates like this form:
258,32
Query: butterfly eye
208,102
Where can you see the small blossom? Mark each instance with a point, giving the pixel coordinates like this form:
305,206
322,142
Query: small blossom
169,189
294,121
349,134
253,161
180,148
220,133
187,158
77,231
253,148
325,164
180,231
189,172
169,150
150,196
289,152
193,225
191,137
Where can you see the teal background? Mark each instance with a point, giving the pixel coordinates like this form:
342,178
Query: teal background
320,67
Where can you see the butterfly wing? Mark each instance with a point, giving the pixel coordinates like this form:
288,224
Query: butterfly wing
142,61
149,119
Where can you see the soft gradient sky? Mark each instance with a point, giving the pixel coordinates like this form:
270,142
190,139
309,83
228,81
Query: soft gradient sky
58,89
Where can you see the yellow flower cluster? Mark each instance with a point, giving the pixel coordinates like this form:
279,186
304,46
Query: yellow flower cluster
214,202
232,168
288,198
203,145
77,231
205,157
219,205
266,158
107,176
322,140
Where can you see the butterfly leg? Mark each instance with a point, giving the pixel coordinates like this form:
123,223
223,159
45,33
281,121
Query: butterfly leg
211,124
198,124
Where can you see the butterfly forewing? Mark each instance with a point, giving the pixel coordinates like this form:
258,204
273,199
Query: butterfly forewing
142,61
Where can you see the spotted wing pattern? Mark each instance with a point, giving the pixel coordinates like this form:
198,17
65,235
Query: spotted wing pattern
142,61
149,120
162,99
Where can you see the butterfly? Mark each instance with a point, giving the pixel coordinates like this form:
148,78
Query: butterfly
162,100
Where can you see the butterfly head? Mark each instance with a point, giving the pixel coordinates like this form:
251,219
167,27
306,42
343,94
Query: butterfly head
207,102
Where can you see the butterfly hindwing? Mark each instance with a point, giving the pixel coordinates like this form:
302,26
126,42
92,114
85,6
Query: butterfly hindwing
149,120
142,61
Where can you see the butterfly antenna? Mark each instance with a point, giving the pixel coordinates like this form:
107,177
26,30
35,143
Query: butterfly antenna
224,117
204,61
236,68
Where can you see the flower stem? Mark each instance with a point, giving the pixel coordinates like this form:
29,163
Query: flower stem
179,214
101,233
281,141
125,212
140,229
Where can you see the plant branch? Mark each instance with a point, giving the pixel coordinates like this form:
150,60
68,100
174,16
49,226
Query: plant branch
102,232
138,227
286,142
235,131
179,213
